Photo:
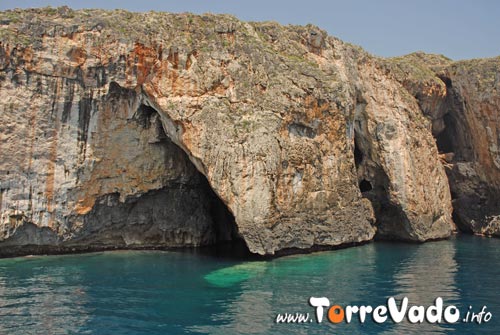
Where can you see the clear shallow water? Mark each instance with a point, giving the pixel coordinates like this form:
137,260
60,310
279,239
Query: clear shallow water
153,292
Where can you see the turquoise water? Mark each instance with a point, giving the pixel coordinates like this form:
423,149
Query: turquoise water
155,292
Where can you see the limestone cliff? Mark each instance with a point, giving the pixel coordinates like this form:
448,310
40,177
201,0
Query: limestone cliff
158,130
463,101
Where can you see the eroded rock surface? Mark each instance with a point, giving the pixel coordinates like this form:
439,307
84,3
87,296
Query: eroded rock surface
463,101
157,129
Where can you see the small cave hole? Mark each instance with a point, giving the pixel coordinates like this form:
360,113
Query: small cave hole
365,186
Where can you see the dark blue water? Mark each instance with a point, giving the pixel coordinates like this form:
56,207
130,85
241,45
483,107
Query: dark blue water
154,292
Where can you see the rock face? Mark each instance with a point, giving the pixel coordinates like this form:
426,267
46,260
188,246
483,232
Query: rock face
463,101
161,130
473,135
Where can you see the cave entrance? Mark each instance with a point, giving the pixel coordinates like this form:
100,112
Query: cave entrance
154,196
445,138
373,184
205,216
452,132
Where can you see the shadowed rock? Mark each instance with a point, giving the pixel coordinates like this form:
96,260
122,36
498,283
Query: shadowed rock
463,101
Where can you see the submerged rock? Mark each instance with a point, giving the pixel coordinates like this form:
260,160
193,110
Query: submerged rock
157,130
229,276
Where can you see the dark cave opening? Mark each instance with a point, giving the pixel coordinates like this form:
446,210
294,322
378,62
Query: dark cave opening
144,114
446,81
445,139
223,221
222,225
364,170
365,186
358,155
228,243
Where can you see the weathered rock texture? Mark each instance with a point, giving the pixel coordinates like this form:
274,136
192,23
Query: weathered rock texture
463,101
155,129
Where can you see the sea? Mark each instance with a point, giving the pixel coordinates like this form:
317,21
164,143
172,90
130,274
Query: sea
200,292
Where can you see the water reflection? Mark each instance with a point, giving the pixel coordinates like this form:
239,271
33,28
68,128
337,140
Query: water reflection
37,295
425,272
